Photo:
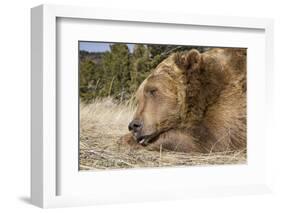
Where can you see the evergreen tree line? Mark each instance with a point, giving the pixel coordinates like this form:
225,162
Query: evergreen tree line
118,73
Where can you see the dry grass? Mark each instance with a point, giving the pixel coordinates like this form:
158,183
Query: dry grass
103,122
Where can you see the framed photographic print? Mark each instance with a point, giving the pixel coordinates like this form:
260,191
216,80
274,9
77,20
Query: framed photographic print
129,106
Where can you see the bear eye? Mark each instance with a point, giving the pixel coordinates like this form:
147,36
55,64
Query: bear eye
152,92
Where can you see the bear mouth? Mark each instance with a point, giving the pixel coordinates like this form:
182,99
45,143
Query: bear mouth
147,139
144,140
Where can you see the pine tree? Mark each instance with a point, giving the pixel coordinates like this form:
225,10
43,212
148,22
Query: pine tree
116,65
140,66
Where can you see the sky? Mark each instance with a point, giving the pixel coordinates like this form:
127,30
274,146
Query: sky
98,46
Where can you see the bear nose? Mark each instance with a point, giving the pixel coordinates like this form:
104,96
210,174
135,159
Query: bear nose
135,125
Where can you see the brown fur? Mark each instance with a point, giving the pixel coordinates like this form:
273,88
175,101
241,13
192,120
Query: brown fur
194,102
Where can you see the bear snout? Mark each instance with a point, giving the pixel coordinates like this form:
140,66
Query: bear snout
135,126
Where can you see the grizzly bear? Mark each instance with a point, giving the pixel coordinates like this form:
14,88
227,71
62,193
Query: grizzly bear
193,102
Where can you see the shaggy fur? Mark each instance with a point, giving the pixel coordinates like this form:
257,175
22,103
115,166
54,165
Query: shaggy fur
193,102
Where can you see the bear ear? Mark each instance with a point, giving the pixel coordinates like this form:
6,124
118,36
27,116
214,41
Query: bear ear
190,60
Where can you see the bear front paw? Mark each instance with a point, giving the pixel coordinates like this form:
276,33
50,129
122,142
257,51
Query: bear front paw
128,139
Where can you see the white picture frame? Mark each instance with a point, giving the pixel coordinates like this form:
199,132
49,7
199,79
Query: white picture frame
46,161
